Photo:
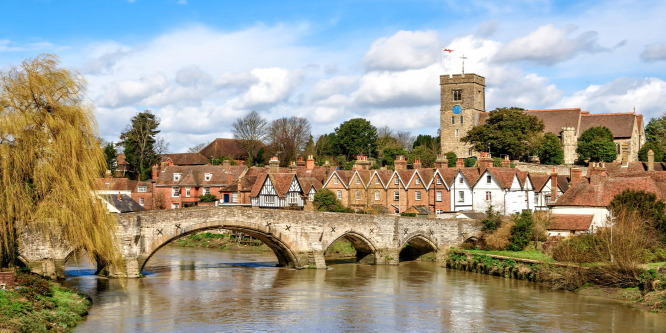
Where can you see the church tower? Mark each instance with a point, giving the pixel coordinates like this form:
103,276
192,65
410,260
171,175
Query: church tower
463,101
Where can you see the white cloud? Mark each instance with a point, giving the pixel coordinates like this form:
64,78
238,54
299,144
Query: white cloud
274,85
549,45
404,50
654,52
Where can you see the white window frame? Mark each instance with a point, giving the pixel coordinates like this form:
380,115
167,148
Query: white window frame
439,181
311,196
396,195
175,205
187,192
335,180
376,195
461,196
339,195
142,189
489,179
208,177
141,201
206,190
438,196
376,180
270,199
358,180
293,198
175,192
417,195
417,181
358,195
461,180
234,197
397,181
176,176
457,132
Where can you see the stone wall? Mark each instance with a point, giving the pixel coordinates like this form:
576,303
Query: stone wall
548,169
472,88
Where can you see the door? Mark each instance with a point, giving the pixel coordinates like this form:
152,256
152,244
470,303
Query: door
226,197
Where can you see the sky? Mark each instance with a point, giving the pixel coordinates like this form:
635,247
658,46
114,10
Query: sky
199,65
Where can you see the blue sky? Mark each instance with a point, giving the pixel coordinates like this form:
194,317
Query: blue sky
200,64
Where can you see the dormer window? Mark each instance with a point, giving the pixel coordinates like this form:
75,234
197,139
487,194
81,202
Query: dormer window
176,177
208,176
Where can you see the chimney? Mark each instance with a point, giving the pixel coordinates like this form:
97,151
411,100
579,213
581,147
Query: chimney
274,165
361,163
400,163
120,198
625,153
460,163
417,164
505,162
575,174
485,162
553,186
441,162
310,163
226,164
156,171
650,163
292,167
300,163
230,178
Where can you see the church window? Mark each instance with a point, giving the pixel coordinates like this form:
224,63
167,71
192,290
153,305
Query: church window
457,95
453,120
457,133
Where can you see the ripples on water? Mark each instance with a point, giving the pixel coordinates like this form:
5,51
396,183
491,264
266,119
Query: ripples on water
204,290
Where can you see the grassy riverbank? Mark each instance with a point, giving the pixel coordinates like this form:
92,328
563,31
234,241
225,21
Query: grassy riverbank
220,241
40,305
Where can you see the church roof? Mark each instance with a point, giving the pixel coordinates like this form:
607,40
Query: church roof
555,119
620,124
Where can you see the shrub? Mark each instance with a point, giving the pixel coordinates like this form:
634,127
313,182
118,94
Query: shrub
33,284
521,232
499,240
452,158
492,221
581,249
207,198
326,201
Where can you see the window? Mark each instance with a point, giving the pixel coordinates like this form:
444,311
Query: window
489,196
417,181
339,195
453,120
142,189
396,195
208,176
376,180
176,177
206,190
358,195
417,195
376,195
457,133
457,95
141,201
293,198
397,181
174,192
461,180
335,180
311,196
270,199
174,206
234,197
439,181
358,180
439,196
536,200
489,179
547,199
461,119
187,192
461,196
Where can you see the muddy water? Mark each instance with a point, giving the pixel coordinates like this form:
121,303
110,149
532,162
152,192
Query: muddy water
204,290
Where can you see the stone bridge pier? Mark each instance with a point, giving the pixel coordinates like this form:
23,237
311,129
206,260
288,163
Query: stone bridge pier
299,239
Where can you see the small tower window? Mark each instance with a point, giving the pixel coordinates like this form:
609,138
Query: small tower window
461,119
457,95
457,133
453,120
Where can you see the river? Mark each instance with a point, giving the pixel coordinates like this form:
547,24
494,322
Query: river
206,290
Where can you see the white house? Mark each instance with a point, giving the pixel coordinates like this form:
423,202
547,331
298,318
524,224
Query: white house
461,189
276,191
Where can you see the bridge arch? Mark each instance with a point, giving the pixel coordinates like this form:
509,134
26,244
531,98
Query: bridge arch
365,249
278,243
416,245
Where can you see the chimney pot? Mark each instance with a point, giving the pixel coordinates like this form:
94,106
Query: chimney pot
650,160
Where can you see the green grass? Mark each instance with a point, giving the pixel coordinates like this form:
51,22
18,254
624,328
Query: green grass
341,247
655,265
526,254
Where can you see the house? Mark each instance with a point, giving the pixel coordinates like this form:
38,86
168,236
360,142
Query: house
338,183
278,190
439,194
120,203
231,148
543,185
566,225
121,166
461,189
184,159
143,194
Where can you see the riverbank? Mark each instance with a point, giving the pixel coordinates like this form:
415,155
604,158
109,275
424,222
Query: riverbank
648,292
36,304
225,241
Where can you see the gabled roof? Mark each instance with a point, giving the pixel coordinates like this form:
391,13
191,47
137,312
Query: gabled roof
343,175
363,175
317,172
448,175
123,203
471,175
600,191
225,147
572,222
405,176
115,184
539,180
620,124
555,119
185,159
522,178
426,176
384,176
194,175
281,183
503,176
308,182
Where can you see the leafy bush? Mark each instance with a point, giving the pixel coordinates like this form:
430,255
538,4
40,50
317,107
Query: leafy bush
492,221
452,158
470,162
207,198
521,232
596,144
643,152
326,201
408,214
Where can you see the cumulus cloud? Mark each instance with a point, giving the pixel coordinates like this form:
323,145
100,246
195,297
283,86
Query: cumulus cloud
549,45
654,52
274,85
404,50
647,95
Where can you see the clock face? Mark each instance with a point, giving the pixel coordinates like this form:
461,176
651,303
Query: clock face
457,109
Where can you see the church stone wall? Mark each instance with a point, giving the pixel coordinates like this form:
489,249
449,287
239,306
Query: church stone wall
472,89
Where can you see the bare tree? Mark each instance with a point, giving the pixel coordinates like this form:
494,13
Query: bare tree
405,139
289,136
253,130
198,147
161,146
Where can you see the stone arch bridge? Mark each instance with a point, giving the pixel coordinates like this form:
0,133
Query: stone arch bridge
298,238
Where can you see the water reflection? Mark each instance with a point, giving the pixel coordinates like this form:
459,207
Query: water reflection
202,290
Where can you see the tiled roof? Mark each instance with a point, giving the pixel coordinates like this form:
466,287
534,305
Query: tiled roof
420,209
405,175
599,191
384,175
539,180
123,203
282,182
120,160
620,124
573,222
317,172
448,174
225,147
563,182
309,182
256,187
185,159
194,175
555,119
251,177
472,175
426,175
115,184
522,178
503,175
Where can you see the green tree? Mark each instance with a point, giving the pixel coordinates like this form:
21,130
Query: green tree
428,141
325,146
426,155
551,151
310,148
521,231
596,145
111,155
508,131
656,149
452,159
356,137
389,154
139,144
470,162
645,204
326,201
49,160
655,131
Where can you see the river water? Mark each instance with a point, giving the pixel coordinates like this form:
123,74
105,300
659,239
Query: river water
206,290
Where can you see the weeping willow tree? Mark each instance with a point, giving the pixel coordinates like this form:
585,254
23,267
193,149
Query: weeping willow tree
49,158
